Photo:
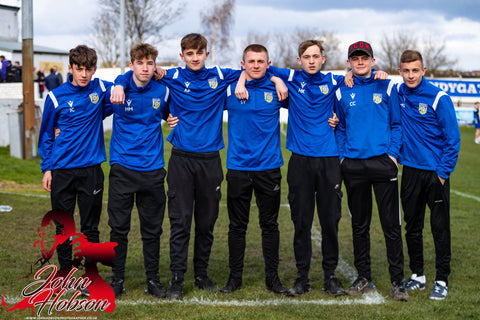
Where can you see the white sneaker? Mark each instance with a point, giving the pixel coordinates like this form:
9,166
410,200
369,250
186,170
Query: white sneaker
415,283
439,291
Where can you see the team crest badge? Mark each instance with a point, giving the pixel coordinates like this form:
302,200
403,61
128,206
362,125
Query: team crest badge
422,108
324,89
94,97
156,103
213,83
377,98
268,96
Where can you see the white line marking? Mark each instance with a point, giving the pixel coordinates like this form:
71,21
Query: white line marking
458,193
367,299
25,194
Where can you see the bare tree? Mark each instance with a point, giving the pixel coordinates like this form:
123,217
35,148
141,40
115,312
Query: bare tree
284,51
433,51
284,47
217,22
106,40
333,53
391,47
144,21
434,57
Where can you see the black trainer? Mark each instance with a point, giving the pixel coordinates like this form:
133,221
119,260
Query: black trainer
155,288
274,284
117,286
399,292
360,286
205,283
233,284
300,287
175,291
333,286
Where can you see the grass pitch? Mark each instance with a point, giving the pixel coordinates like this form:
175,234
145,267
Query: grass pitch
20,187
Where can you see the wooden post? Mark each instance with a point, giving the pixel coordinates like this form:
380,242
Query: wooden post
29,135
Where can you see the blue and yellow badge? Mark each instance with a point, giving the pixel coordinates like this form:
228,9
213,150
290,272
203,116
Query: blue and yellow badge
268,96
213,83
377,98
156,103
422,108
324,89
94,97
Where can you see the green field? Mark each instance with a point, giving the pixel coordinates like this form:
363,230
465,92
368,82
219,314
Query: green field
20,187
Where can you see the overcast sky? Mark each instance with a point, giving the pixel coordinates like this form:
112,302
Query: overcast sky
63,24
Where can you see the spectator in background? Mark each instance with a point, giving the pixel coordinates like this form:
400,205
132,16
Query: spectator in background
59,75
41,81
9,71
3,66
477,122
17,72
52,80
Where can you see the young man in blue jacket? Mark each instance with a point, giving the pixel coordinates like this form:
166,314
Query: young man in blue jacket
137,174
71,161
313,169
431,143
369,138
254,158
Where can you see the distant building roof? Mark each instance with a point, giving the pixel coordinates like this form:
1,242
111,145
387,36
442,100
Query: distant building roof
13,8
15,46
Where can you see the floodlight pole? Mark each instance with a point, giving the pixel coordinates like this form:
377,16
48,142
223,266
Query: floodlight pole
29,135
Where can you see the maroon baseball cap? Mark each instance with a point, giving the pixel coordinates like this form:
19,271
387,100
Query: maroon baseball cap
362,46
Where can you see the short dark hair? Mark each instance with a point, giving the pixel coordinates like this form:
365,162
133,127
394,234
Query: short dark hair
255,47
411,56
143,51
82,55
193,41
302,47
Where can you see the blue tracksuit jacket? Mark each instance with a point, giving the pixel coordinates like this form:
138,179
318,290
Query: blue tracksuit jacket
137,139
311,103
254,127
369,119
78,113
431,137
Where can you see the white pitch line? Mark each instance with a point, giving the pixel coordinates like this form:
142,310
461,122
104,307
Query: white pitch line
25,194
367,299
458,193
465,195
